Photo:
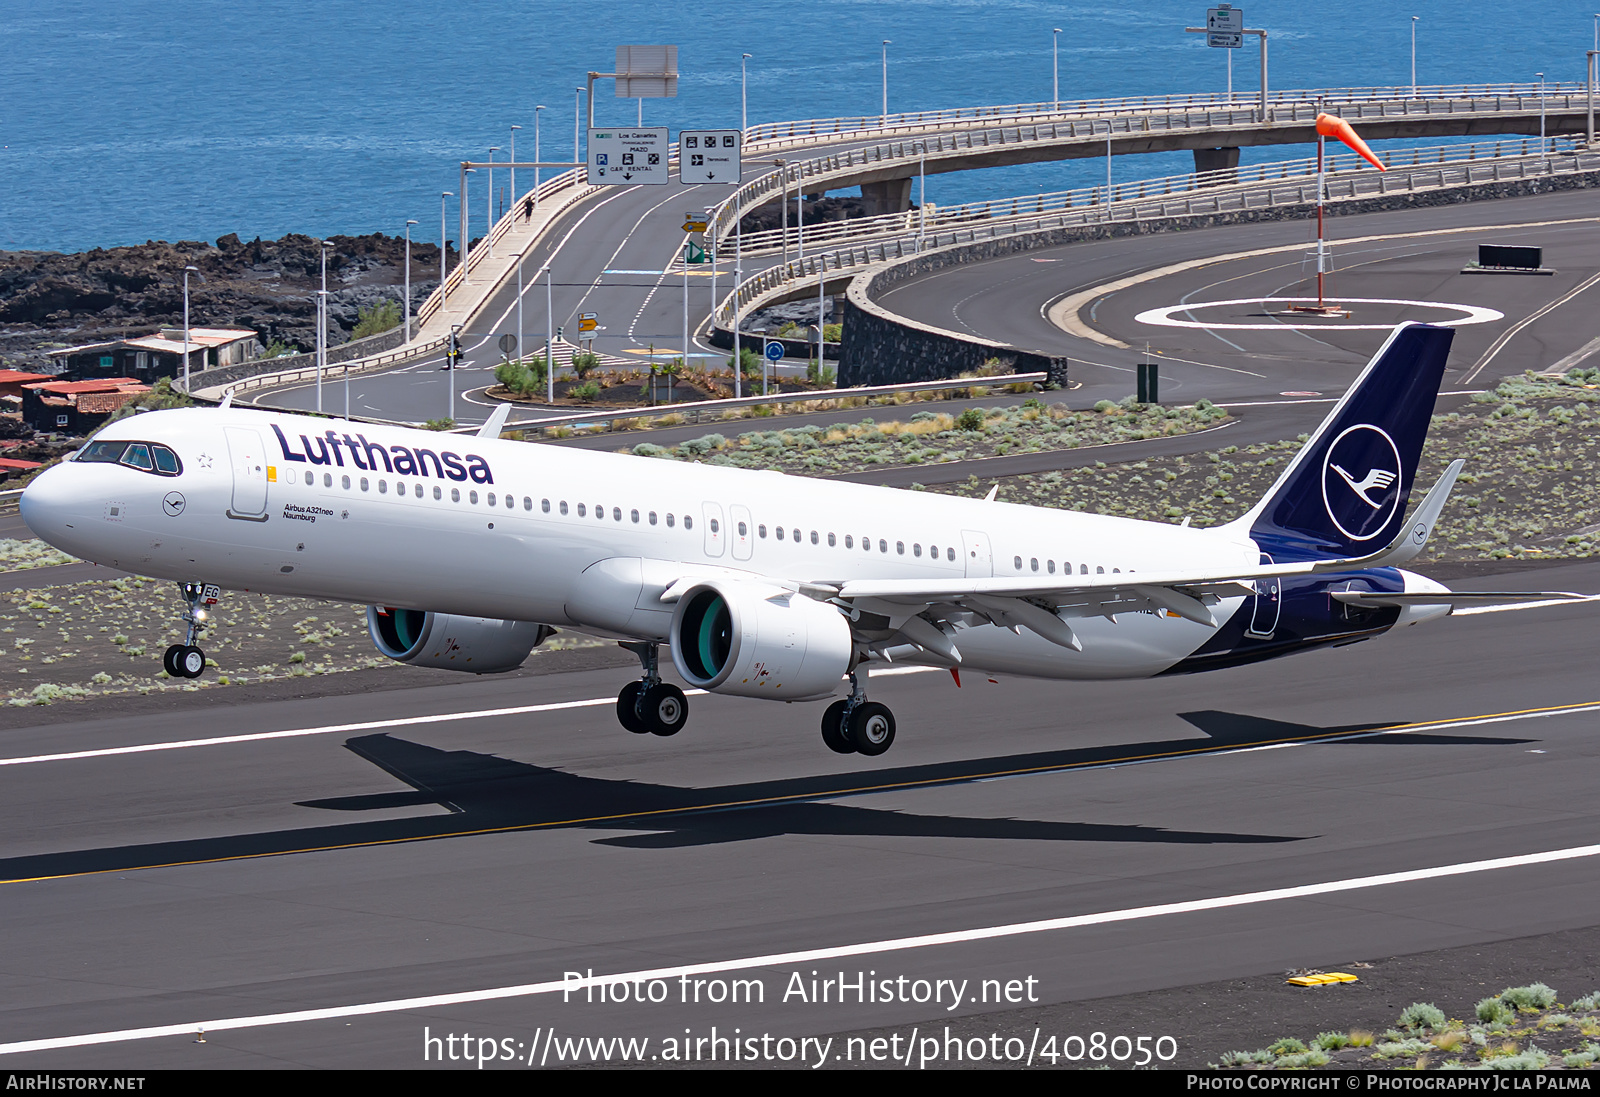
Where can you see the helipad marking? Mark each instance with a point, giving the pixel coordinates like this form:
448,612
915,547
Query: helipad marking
805,956
1163,317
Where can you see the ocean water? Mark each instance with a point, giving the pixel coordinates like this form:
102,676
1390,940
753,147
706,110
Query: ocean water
187,119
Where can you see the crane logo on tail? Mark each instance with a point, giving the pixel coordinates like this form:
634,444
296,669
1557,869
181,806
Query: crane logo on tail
1360,477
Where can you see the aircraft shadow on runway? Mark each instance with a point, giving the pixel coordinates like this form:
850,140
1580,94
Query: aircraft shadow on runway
483,793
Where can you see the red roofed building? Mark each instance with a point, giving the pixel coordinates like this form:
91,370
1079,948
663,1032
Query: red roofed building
11,381
76,407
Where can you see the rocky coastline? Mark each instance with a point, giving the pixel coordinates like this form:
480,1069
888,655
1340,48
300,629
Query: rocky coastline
50,300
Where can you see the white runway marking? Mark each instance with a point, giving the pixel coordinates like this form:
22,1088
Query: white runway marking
1525,605
329,729
806,956
1163,317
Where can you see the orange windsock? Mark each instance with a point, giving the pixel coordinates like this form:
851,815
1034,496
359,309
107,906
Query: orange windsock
1331,125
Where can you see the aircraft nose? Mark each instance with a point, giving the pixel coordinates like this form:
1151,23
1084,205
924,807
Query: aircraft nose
53,506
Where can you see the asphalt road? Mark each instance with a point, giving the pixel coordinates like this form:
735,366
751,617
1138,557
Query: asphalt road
614,256
407,855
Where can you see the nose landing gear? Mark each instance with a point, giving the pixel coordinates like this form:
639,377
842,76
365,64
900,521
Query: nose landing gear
651,706
185,660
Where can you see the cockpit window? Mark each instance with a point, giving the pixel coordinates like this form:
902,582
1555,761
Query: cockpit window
144,456
110,452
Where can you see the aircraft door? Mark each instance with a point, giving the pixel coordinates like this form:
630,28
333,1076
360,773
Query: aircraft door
742,535
975,548
1267,605
716,535
249,474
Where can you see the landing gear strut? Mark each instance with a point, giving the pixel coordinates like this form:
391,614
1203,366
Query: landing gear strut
857,725
185,660
651,706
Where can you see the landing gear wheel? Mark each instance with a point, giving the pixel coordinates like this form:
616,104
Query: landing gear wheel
834,733
628,708
665,709
872,728
169,660
191,662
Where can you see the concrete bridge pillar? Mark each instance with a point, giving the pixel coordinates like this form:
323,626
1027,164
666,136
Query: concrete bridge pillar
1226,159
894,195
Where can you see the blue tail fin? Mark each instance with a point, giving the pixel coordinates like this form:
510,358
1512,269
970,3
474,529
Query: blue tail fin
1345,492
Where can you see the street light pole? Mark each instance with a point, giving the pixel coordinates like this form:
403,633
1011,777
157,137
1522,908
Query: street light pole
186,272
783,166
744,95
536,160
577,118
322,322
886,45
922,194
738,275
514,130
466,223
1588,77
549,338
1541,115
442,244
1055,68
407,312
488,207
1413,57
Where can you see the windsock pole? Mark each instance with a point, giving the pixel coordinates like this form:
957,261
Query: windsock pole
1329,125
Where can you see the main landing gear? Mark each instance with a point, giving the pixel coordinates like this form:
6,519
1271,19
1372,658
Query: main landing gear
857,725
185,660
651,706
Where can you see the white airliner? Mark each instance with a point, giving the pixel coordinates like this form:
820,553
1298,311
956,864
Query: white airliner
470,551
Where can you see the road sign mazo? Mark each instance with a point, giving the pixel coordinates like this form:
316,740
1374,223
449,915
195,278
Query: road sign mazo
624,156
708,156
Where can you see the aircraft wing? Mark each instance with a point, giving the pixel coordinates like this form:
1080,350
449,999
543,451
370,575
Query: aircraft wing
924,613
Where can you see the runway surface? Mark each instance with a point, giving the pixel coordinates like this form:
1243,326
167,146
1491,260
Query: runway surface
416,842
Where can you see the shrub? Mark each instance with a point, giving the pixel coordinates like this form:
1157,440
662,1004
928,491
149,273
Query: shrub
1331,1041
1494,1011
589,390
971,419
1421,1015
439,424
584,364
749,362
1536,996
832,333
525,377
376,318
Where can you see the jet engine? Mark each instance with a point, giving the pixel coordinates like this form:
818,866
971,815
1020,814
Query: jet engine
480,645
753,639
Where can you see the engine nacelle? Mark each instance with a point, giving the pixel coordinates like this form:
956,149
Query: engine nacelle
753,639
479,645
